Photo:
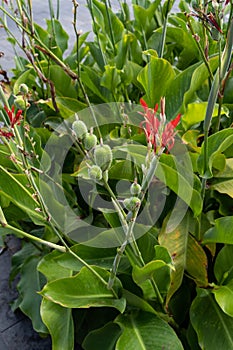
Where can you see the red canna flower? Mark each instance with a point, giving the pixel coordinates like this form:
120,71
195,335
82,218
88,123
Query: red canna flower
6,134
159,133
15,119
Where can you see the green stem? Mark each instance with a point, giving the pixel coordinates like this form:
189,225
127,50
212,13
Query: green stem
21,233
200,49
225,62
164,32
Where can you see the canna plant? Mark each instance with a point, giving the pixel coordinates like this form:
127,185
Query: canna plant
124,211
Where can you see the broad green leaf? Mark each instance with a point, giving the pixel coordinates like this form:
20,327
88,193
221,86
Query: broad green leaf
181,183
84,290
15,188
64,85
200,75
101,257
141,274
93,82
227,172
195,113
217,143
49,266
122,170
67,106
157,270
137,302
222,232
144,16
29,286
145,331
117,26
184,38
111,78
223,267
224,297
61,36
213,327
59,322
155,78
103,338
223,186
186,253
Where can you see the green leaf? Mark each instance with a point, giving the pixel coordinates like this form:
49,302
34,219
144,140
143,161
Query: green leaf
67,106
145,331
217,143
93,82
224,297
50,267
15,188
185,251
223,267
155,78
103,338
223,186
141,274
61,36
56,262
83,290
111,78
222,232
29,286
184,38
200,75
195,113
137,302
213,327
181,181
64,85
59,322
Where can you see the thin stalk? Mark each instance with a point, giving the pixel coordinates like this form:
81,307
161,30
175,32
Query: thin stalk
200,49
110,27
77,34
90,6
129,237
225,62
164,32
58,10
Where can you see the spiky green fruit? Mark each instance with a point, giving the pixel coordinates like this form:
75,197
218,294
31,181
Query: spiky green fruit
19,102
90,141
103,156
79,128
95,173
23,88
132,203
135,189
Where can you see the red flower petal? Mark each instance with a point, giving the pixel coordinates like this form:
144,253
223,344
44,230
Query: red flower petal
175,121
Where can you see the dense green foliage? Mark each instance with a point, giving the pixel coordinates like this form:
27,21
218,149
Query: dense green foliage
123,246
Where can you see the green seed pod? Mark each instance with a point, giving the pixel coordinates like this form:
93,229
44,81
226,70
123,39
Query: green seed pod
135,189
103,156
79,128
95,173
90,141
19,102
132,203
23,88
